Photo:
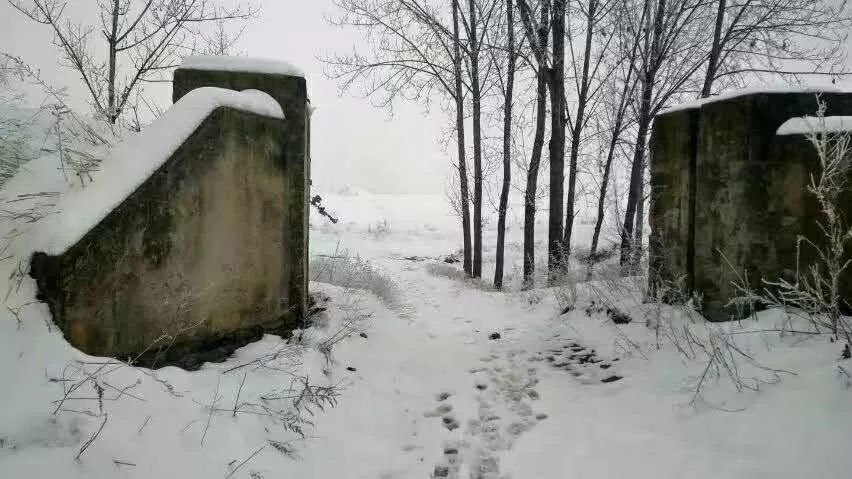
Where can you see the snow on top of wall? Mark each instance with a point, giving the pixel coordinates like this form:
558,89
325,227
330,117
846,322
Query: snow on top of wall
811,124
692,105
239,64
134,160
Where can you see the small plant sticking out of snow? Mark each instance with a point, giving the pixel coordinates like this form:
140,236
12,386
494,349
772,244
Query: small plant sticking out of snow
354,322
566,292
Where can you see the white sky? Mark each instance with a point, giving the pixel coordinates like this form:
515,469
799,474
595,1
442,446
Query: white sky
353,144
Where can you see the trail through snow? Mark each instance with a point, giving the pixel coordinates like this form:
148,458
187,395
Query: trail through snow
554,398
451,381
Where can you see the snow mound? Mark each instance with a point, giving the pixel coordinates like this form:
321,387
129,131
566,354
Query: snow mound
692,105
811,124
240,64
134,160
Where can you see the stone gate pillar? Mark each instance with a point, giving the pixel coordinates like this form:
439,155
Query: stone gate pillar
726,189
287,86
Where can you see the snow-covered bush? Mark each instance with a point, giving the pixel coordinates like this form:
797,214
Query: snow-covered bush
446,270
341,269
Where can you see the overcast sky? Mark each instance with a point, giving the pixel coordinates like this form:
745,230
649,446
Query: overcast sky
353,143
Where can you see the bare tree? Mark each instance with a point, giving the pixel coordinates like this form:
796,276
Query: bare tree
623,86
412,56
589,78
416,56
222,41
143,40
476,99
458,96
537,32
671,50
786,38
556,147
507,141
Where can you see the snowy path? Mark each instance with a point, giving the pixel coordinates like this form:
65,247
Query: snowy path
444,400
484,417
469,399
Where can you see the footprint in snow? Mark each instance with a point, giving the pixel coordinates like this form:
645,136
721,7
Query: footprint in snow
581,362
450,463
450,422
439,411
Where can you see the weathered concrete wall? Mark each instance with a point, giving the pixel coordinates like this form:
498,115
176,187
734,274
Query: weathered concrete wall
671,205
291,93
193,254
749,192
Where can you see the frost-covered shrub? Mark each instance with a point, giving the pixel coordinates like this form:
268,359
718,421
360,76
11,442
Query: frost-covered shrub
347,271
446,270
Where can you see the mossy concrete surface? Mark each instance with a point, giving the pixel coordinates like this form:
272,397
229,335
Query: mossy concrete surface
726,189
208,254
291,93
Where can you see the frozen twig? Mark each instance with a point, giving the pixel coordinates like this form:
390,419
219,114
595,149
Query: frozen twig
212,408
235,469
93,438
240,390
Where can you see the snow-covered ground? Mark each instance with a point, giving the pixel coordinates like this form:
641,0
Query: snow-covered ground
420,389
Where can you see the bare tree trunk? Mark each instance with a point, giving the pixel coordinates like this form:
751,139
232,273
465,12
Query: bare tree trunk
477,142
613,142
626,92
623,101
577,129
635,179
459,99
112,42
649,69
557,137
715,50
532,180
507,145
640,212
538,40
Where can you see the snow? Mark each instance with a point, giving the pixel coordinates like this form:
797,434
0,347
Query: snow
239,64
810,124
425,362
695,104
133,161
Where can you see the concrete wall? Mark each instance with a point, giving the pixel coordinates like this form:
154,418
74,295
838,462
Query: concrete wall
209,253
724,183
291,93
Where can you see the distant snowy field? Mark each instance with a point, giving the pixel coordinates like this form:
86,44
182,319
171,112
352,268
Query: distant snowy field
423,391
404,225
